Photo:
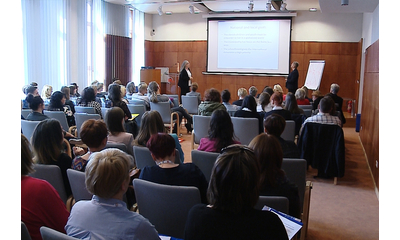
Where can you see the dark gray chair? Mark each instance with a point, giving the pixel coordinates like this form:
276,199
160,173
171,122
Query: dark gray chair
205,161
200,128
138,109
245,129
24,232
52,174
276,202
28,127
191,104
82,117
89,110
143,157
165,206
25,112
167,116
60,116
289,131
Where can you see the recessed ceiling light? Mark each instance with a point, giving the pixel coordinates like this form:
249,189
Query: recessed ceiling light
312,9
168,13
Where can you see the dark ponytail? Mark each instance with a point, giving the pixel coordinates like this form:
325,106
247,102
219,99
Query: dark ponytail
34,101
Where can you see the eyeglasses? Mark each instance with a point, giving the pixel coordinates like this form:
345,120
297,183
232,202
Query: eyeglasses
235,147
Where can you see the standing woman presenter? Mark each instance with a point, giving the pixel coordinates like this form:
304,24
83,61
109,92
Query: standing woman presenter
293,78
185,78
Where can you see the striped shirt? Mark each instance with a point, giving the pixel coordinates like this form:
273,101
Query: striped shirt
323,118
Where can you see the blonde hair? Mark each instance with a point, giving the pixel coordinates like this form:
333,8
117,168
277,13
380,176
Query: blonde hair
242,92
47,90
300,94
278,88
106,171
142,86
123,91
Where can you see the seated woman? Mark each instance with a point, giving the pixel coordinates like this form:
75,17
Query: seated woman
249,110
57,103
115,100
273,181
212,102
41,204
115,124
130,89
47,141
264,103
291,104
316,97
67,91
36,103
275,125
88,99
94,135
300,95
276,103
232,194
220,133
162,149
194,92
152,123
106,216
153,91
47,91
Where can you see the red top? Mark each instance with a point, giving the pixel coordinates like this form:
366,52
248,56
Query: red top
303,102
41,206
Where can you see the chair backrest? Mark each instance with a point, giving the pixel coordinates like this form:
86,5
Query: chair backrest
164,109
191,104
28,127
60,116
165,206
25,112
80,109
305,106
245,129
52,174
175,99
296,172
137,101
120,146
289,131
104,111
307,112
139,109
143,157
24,232
205,161
200,127
78,187
276,202
51,234
82,117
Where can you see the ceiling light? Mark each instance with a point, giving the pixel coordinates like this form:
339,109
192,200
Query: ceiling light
159,10
191,9
313,9
269,6
251,6
345,2
283,6
168,13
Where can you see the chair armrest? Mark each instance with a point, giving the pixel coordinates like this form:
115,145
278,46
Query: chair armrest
306,209
192,140
177,122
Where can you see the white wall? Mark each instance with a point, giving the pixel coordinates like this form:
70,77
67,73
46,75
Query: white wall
307,26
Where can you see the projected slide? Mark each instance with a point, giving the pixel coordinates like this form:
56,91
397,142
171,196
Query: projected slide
248,44
251,45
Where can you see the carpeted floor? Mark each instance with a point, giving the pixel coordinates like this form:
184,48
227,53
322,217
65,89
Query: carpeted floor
348,210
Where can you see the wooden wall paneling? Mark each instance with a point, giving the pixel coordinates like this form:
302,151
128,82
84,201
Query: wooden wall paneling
186,46
313,48
297,47
348,48
330,48
200,46
159,46
332,63
170,58
171,46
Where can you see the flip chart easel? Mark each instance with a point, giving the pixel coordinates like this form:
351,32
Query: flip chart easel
314,74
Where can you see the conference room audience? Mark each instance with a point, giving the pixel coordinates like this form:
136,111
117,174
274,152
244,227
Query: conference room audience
47,90
220,133
273,181
291,104
36,103
249,110
316,96
93,134
275,125
301,99
242,92
67,91
115,125
29,90
226,97
106,215
152,123
194,92
57,103
324,115
41,204
123,94
47,141
88,99
306,91
162,149
276,103
154,96
232,193
338,100
212,102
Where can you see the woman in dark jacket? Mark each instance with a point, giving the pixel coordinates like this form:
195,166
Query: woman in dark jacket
184,77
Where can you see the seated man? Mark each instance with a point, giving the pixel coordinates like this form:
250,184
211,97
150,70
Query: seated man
324,117
106,215
333,94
